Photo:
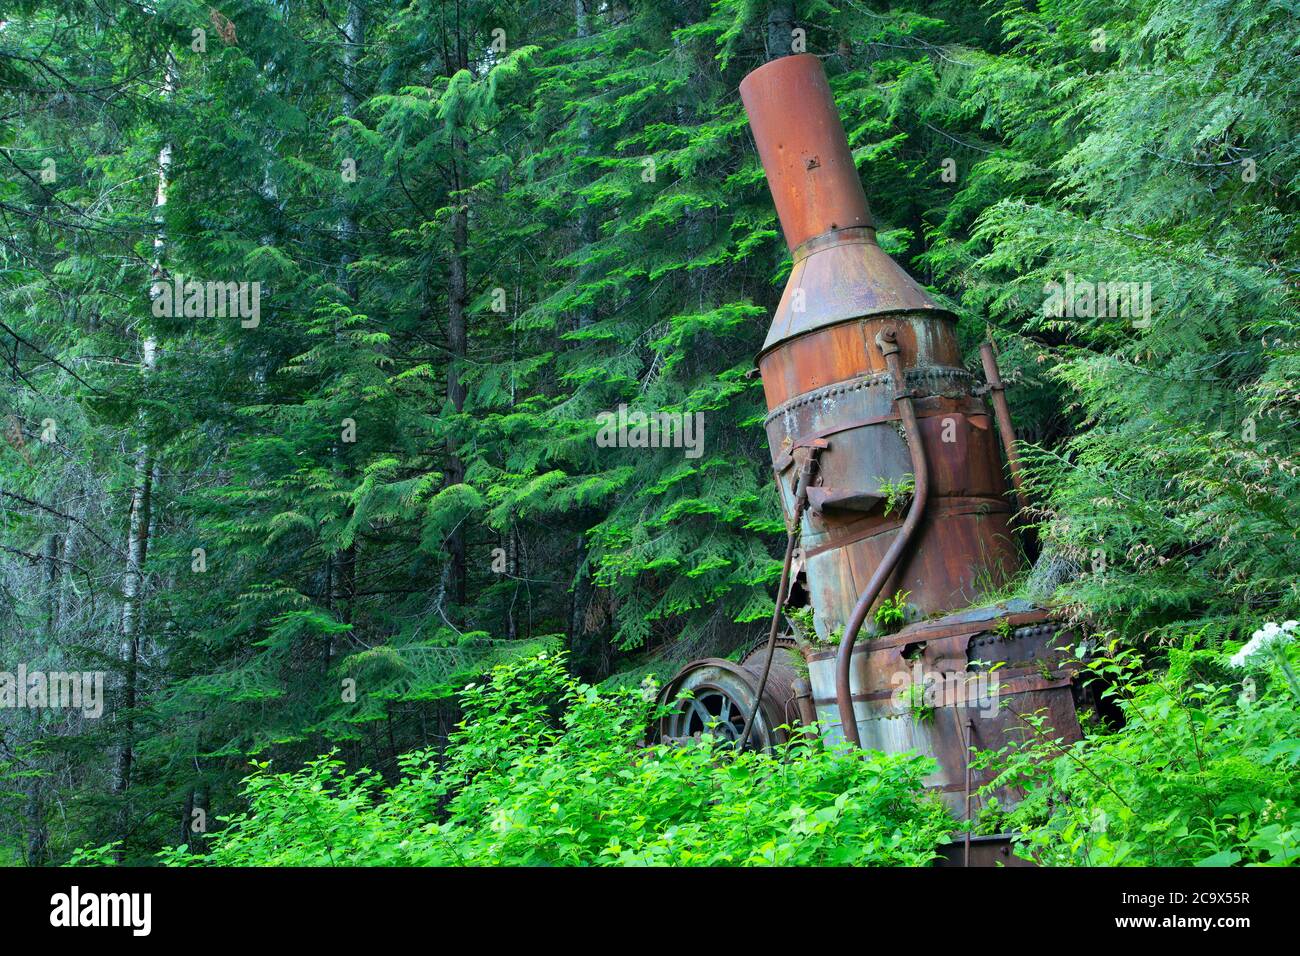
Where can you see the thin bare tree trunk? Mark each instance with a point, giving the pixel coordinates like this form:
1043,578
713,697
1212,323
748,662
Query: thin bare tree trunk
137,547
457,330
137,544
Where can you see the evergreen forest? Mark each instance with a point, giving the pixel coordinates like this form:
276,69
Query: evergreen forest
361,581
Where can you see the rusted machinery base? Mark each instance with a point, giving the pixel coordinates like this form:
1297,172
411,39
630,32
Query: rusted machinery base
950,685
944,687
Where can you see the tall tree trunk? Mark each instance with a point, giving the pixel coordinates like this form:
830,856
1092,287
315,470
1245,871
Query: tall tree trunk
586,648
195,819
187,815
780,27
137,544
51,585
456,340
34,812
344,574
454,59
137,547
355,41
510,545
68,556
37,832
586,218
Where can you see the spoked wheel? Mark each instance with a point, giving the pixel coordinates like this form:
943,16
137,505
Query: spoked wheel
713,696
714,711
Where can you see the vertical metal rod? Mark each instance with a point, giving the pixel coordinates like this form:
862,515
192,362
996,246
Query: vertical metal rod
1002,412
783,588
970,729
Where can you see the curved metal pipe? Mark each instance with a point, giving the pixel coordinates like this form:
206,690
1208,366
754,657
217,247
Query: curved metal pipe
921,477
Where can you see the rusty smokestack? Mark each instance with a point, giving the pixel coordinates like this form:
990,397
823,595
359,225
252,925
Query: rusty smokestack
865,389
840,272
804,150
859,356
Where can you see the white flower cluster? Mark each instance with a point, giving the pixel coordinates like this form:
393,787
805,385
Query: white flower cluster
1263,640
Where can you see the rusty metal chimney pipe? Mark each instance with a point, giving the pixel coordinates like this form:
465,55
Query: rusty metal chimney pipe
839,272
805,153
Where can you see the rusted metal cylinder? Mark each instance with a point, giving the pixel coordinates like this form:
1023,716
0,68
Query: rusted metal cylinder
804,151
825,377
861,363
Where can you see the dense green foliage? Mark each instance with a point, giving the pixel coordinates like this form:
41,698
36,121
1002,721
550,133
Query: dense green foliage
547,770
1203,771
306,536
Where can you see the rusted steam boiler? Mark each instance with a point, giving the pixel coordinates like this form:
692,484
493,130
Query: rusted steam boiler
889,465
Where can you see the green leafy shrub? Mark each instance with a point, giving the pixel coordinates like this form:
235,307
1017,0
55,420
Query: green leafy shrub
1205,771
546,770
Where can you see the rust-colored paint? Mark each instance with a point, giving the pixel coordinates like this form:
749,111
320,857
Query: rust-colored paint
843,352
841,276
